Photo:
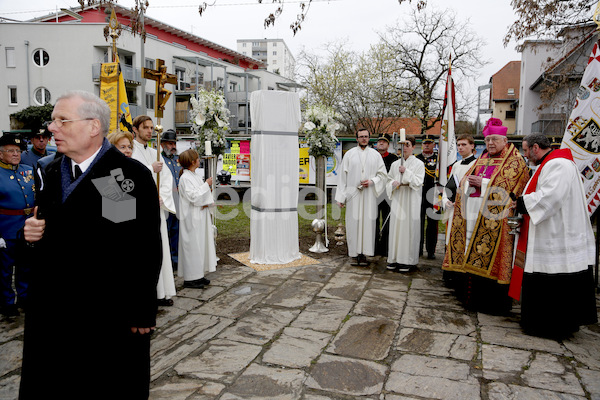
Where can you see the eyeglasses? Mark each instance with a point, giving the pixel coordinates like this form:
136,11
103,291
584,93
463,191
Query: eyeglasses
60,122
12,151
493,139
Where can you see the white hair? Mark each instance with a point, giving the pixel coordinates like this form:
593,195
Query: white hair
92,107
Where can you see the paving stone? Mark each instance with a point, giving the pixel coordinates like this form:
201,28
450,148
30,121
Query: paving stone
347,376
182,389
437,344
346,267
516,338
9,387
228,275
546,372
209,292
323,315
296,348
501,391
434,367
503,362
11,356
426,284
511,321
294,293
437,320
591,381
391,282
222,360
315,273
381,303
258,326
432,387
345,286
10,328
259,382
236,301
365,337
585,347
434,299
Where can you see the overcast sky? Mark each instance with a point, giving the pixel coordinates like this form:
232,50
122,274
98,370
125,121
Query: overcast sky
356,21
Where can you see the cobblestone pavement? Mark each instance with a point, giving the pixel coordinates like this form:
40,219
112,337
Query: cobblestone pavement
334,331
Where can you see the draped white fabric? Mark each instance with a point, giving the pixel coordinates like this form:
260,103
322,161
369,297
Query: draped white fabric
275,119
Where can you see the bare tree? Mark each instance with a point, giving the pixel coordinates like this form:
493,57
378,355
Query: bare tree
421,52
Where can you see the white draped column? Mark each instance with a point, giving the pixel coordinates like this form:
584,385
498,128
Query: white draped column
276,118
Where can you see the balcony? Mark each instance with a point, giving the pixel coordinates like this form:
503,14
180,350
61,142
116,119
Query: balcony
237,97
130,75
550,125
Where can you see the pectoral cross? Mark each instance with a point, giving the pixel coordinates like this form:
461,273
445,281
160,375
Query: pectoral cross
161,77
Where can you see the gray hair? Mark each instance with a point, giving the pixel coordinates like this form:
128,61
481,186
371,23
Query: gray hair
92,107
538,138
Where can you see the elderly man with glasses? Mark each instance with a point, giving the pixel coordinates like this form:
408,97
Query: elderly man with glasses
92,307
16,205
480,246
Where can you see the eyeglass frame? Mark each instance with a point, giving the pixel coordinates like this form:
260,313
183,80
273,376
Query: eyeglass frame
62,121
11,151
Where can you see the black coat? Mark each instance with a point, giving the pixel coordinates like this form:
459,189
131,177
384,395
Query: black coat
94,280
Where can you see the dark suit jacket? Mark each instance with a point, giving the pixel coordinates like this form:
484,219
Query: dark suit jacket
100,281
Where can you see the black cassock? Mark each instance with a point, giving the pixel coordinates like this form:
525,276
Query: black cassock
92,281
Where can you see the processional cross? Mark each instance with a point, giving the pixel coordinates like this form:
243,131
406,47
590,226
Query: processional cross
161,77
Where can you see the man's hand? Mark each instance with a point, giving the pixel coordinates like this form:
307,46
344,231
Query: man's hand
209,181
340,205
366,183
157,166
34,228
449,205
475,181
395,184
142,331
402,169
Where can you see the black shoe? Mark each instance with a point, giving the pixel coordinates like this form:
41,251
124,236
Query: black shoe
197,284
362,260
174,264
164,302
404,268
355,261
204,281
431,257
9,310
392,266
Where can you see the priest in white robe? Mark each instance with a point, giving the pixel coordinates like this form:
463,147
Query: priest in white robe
557,245
404,188
143,128
197,253
362,179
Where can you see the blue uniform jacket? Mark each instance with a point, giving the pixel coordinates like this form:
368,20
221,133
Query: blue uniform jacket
174,167
16,193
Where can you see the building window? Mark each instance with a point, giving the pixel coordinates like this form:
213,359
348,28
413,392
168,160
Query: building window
128,60
510,114
181,84
274,62
511,92
150,101
244,44
149,63
12,95
41,57
41,96
10,57
255,44
274,53
274,44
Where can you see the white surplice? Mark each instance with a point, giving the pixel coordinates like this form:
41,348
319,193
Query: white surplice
405,214
458,172
560,238
361,205
147,155
197,253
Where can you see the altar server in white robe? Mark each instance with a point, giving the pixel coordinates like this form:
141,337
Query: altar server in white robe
362,178
558,293
197,253
404,188
143,128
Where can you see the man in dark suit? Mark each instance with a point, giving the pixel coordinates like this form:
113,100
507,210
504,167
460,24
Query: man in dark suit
93,306
383,208
430,159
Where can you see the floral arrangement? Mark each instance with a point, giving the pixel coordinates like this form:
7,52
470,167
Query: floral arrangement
210,119
319,130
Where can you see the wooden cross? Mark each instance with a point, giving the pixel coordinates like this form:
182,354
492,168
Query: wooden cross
161,77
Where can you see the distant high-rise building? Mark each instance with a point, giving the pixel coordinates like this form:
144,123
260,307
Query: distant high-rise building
273,52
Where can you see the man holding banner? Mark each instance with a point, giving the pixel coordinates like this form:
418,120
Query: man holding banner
555,246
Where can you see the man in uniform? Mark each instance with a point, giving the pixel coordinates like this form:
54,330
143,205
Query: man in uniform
362,179
430,159
16,205
168,143
38,149
383,209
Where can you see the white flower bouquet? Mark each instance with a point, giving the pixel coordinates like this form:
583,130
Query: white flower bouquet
210,119
319,130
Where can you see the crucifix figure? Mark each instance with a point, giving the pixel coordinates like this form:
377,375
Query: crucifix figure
161,77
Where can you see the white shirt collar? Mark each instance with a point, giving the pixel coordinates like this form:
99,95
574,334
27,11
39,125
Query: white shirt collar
84,165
